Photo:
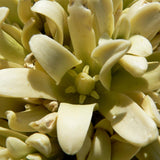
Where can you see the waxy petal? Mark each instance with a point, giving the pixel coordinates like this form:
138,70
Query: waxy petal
20,121
81,30
101,146
23,82
53,57
30,28
131,122
83,152
55,16
145,19
135,65
3,14
112,59
103,16
108,48
151,109
41,143
72,126
25,5
18,148
140,46
4,154
11,49
5,132
149,81
117,9
122,28
13,31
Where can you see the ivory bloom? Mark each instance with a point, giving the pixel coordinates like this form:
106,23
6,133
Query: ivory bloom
79,79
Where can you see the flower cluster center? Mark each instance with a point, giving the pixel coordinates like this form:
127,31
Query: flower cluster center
84,85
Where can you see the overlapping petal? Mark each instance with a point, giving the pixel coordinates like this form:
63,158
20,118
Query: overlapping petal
72,125
54,58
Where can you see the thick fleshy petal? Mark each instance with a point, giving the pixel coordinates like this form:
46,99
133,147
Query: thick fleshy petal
103,16
4,154
81,30
3,14
55,16
41,143
5,132
149,81
53,57
23,82
140,46
30,28
144,18
25,5
18,148
83,152
135,65
151,109
117,9
122,28
11,49
108,48
101,146
13,31
20,121
131,122
72,126
109,54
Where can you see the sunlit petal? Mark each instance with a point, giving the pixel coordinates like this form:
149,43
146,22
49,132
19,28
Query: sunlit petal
140,46
53,57
55,15
144,19
103,16
131,122
40,142
18,148
20,121
23,82
151,109
72,126
135,65
81,30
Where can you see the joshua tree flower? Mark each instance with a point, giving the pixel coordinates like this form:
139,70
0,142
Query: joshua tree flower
79,79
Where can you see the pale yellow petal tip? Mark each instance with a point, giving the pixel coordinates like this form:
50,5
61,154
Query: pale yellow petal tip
41,143
51,55
18,148
135,65
140,46
3,13
132,123
71,119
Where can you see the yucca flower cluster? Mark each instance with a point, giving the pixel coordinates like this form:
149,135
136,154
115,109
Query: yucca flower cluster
79,79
